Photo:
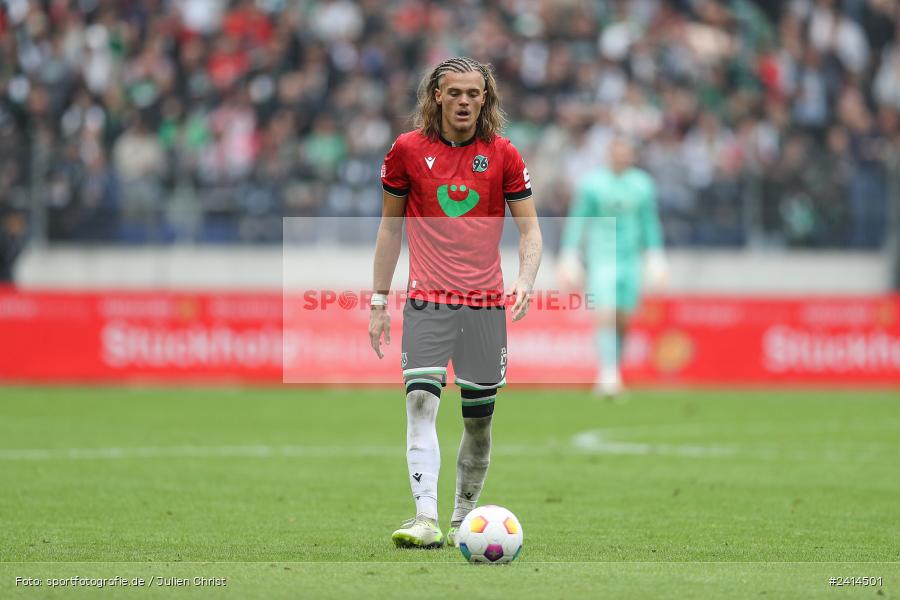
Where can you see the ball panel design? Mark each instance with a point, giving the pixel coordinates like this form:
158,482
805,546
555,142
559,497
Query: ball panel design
495,532
512,527
465,551
494,552
478,524
511,543
476,543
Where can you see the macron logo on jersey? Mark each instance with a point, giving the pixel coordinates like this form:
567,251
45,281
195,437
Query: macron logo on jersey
429,160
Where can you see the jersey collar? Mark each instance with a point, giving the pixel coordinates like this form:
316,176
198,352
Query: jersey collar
457,144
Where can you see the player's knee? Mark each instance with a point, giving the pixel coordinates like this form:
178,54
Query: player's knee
422,404
477,425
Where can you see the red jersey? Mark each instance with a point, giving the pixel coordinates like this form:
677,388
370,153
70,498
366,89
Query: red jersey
456,195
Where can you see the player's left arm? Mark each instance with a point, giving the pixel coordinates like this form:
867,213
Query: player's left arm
518,196
657,267
531,247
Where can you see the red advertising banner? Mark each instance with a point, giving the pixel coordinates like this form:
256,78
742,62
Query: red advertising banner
321,338
753,341
49,337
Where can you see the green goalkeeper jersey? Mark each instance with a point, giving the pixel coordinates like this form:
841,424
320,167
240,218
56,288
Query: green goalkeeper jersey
630,199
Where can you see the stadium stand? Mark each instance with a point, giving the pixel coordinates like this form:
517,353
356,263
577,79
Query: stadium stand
766,124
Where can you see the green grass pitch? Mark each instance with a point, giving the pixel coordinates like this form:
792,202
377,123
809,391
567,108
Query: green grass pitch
294,492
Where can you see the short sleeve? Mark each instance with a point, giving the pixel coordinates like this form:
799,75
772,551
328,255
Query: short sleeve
516,180
394,178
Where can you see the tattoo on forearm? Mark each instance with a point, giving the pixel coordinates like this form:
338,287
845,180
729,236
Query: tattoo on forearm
530,259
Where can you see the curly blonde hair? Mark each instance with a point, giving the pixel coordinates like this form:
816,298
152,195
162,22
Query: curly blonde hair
427,117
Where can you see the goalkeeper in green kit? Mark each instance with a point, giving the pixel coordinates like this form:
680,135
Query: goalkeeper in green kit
607,256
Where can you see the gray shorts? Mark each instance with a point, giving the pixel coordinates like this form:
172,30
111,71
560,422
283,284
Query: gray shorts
474,338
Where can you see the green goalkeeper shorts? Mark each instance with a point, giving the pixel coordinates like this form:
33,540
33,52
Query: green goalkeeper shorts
614,286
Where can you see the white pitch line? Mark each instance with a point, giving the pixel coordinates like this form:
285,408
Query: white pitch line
251,451
254,451
587,442
596,441
758,428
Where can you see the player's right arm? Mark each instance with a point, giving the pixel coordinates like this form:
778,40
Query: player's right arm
387,245
387,252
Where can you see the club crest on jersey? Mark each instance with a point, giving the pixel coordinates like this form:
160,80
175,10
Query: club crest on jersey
480,164
456,208
403,360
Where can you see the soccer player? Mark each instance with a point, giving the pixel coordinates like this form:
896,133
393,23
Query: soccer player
613,250
450,181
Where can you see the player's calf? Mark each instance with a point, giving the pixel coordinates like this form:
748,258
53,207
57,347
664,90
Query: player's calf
423,455
474,452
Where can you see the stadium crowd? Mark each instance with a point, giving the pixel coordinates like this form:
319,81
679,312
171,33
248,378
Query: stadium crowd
764,123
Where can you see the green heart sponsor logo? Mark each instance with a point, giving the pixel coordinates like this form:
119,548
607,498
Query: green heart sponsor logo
456,208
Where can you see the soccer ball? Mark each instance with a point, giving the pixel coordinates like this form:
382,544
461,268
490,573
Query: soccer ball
490,534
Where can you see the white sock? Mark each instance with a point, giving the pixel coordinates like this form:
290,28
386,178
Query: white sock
423,455
472,465
609,375
607,350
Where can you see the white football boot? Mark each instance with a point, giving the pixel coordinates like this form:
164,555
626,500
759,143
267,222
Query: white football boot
452,534
609,386
419,532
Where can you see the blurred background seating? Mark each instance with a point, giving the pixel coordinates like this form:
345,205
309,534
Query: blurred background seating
766,124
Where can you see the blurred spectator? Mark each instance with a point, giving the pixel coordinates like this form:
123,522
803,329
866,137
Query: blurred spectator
140,162
676,198
12,239
764,121
867,181
832,31
887,79
788,209
830,183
